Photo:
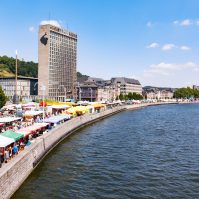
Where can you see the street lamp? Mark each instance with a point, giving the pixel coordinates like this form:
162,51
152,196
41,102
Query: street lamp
15,99
43,88
91,93
80,90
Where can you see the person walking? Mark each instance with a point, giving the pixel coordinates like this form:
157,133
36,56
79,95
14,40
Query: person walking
7,156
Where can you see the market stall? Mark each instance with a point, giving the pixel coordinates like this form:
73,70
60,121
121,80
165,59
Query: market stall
98,107
9,119
71,111
80,110
57,119
32,113
29,106
8,122
4,142
12,134
34,129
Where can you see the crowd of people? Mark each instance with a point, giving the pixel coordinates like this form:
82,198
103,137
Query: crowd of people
9,152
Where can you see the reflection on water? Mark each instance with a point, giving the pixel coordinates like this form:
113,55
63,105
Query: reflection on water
147,153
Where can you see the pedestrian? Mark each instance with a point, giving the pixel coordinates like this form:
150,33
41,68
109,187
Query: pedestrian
10,152
7,156
15,150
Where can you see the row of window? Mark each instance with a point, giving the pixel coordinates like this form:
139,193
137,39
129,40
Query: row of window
62,38
62,57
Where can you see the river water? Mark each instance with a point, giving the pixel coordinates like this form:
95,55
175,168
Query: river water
147,153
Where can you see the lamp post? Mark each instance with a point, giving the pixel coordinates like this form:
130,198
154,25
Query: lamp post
43,88
15,95
91,93
80,91
65,94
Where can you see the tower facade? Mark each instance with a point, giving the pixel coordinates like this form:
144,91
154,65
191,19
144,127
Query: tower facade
57,62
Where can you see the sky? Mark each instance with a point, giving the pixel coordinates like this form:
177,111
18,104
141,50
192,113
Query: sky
156,42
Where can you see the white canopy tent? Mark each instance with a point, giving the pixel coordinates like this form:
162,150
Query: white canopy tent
32,113
60,106
9,119
5,141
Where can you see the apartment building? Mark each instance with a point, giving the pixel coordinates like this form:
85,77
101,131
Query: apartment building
57,62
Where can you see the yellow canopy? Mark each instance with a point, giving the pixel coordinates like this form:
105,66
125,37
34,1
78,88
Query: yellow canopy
61,103
71,110
81,109
77,110
97,105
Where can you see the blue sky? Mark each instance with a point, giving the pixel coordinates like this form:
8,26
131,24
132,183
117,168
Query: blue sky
154,41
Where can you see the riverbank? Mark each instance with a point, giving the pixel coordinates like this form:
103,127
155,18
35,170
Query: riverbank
136,106
14,173
151,152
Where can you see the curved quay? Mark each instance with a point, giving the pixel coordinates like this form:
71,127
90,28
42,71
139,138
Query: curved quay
16,171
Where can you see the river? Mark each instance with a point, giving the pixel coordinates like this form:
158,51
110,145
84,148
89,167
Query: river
146,153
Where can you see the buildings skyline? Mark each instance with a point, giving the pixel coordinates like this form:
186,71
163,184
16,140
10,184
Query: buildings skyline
147,40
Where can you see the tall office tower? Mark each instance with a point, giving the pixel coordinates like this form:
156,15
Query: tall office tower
57,62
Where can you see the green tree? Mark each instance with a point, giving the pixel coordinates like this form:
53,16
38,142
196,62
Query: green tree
186,93
121,96
26,68
130,96
3,98
137,96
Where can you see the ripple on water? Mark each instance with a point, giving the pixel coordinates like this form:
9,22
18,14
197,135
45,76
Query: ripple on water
147,153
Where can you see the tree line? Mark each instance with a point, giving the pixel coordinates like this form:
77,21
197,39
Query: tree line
130,96
186,93
25,68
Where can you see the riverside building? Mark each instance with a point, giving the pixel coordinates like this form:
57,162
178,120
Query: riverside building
26,86
97,89
158,93
127,85
57,62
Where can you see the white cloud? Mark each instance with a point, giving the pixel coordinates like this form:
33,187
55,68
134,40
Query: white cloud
185,48
31,29
149,24
185,22
170,74
167,47
153,45
168,67
52,22
164,66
